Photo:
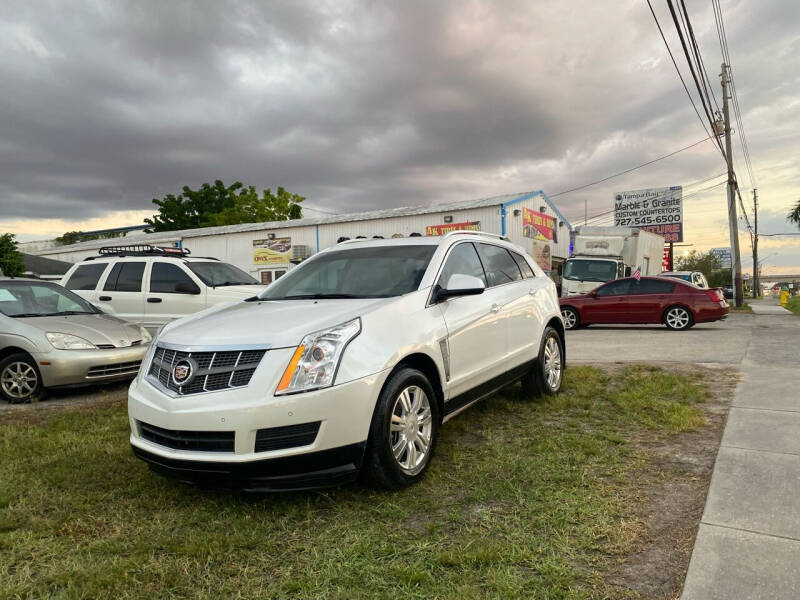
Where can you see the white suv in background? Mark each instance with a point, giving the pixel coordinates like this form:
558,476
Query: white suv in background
349,363
151,286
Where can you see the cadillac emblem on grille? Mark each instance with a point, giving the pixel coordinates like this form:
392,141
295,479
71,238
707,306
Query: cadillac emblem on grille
183,371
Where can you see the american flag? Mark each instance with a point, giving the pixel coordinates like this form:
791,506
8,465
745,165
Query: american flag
637,274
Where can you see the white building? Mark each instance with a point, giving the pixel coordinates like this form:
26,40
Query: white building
267,250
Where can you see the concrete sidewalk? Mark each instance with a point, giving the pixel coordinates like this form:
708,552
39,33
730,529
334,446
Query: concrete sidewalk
748,542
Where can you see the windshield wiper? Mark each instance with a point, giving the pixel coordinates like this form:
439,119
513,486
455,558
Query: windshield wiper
224,283
24,315
322,297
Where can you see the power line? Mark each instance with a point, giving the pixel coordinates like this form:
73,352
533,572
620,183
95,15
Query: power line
678,71
705,101
650,162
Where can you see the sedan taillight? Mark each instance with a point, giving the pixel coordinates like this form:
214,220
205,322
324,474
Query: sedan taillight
716,295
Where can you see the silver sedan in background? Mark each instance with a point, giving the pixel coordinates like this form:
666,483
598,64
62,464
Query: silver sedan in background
50,337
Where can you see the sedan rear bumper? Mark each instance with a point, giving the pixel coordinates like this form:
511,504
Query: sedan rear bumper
81,367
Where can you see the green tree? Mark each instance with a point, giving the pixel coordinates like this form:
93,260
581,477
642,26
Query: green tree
11,262
219,204
705,262
72,237
249,208
794,215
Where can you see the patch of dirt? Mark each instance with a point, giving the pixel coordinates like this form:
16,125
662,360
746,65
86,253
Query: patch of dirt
671,494
60,399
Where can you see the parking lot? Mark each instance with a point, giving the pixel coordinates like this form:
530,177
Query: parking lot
617,468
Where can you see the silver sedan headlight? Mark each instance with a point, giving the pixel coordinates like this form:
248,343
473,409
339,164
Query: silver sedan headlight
314,363
66,341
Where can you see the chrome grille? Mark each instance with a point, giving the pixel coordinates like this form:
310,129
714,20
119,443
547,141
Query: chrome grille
215,370
127,368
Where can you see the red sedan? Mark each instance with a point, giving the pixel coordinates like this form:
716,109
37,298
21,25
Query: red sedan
673,302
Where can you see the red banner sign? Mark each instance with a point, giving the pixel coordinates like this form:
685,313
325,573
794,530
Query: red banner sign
536,225
448,227
665,264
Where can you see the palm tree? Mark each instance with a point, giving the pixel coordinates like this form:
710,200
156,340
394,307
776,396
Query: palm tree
794,215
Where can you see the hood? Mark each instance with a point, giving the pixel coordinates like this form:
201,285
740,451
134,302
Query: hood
273,323
99,329
236,292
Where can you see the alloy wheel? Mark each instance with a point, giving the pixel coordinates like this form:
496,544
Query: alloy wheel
570,318
19,380
552,363
678,318
411,429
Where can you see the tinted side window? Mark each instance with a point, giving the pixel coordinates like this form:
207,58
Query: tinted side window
499,266
615,288
166,278
526,269
652,286
463,260
86,277
125,277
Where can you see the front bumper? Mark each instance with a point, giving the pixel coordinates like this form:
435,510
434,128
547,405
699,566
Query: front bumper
344,413
77,367
324,468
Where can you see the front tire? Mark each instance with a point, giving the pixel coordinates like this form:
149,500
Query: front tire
20,380
570,317
678,318
403,432
545,378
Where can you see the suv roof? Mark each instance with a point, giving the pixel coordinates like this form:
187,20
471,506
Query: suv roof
144,250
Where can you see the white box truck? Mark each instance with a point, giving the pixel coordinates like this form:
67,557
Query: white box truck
601,254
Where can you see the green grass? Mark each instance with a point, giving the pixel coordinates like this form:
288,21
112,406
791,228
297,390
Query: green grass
523,500
794,304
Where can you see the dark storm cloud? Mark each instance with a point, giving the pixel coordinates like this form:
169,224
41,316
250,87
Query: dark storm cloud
106,105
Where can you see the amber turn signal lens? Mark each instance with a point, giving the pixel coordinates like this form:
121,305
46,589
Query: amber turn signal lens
290,369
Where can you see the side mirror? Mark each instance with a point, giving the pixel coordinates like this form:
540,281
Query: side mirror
593,294
461,285
185,287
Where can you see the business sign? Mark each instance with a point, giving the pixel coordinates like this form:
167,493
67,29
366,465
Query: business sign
275,251
666,264
538,226
659,210
448,227
723,256
542,229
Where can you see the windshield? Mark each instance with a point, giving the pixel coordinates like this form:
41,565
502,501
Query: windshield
376,272
590,270
34,299
217,274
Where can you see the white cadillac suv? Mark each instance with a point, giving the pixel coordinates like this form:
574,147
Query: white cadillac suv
348,364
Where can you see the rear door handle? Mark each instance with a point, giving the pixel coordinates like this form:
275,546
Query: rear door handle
104,298
533,291
495,308
154,300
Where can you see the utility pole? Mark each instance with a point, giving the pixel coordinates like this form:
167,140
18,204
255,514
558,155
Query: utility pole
756,282
736,261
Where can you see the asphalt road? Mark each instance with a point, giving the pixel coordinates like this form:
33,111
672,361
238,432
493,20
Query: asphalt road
722,342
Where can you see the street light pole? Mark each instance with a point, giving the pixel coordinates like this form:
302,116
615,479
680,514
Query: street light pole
732,217
756,282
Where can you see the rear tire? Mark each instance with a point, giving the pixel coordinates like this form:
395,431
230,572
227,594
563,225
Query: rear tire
571,318
678,318
20,380
403,432
545,378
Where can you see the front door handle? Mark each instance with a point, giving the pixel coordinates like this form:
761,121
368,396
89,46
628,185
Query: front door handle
495,308
154,300
104,298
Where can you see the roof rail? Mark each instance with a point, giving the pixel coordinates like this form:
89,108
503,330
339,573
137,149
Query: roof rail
470,232
140,250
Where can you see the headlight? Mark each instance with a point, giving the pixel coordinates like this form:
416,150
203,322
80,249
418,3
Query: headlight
146,337
65,341
316,359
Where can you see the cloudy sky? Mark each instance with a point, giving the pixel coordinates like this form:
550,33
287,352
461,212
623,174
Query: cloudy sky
372,104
